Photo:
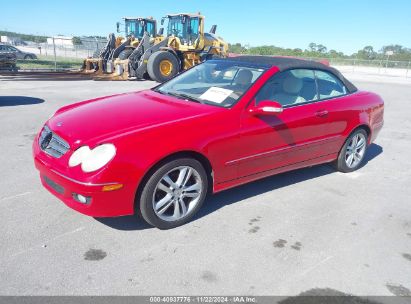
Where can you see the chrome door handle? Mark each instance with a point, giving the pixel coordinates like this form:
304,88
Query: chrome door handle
321,113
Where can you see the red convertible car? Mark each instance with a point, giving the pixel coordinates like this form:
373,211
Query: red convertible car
223,123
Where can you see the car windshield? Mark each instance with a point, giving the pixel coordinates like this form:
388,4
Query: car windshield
216,82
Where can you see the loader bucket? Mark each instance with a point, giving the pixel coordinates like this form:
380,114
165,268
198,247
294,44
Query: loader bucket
120,71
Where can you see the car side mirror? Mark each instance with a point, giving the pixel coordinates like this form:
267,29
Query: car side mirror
266,107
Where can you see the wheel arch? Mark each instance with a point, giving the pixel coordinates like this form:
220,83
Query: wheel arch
337,162
365,127
170,50
204,161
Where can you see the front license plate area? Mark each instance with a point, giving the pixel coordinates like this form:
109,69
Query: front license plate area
56,187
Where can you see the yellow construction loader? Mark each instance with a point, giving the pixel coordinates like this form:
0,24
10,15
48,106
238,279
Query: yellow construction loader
120,47
184,45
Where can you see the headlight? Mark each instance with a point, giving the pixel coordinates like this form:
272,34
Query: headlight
92,160
79,155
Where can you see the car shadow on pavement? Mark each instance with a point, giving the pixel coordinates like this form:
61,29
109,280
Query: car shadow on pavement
372,152
9,101
125,223
234,195
237,194
328,295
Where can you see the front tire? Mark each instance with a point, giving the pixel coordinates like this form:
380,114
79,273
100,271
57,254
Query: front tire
352,153
174,193
162,66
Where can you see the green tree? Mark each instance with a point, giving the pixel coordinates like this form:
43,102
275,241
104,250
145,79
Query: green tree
237,48
333,53
367,53
321,49
312,47
24,37
76,40
396,48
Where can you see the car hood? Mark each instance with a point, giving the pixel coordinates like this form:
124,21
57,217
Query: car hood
105,118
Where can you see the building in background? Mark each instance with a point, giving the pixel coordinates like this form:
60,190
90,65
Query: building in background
12,40
65,41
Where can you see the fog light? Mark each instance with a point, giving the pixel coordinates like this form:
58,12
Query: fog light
81,198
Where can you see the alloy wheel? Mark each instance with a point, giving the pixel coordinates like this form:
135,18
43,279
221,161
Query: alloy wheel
355,150
177,193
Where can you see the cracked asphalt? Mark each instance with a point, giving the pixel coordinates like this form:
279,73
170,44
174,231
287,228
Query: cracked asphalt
308,229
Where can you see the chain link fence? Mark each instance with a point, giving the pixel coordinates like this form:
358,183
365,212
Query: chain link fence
59,55
384,67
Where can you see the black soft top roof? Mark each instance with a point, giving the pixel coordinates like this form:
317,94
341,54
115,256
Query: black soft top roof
287,63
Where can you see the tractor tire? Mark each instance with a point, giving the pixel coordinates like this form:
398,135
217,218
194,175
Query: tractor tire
124,54
162,66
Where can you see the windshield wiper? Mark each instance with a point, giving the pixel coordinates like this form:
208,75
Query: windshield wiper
184,96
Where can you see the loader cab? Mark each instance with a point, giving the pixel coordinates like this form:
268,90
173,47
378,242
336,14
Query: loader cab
188,28
137,26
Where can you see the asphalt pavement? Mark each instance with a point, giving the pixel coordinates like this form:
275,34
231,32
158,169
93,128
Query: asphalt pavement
304,230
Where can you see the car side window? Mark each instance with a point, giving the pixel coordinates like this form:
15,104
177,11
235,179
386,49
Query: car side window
290,88
329,86
11,49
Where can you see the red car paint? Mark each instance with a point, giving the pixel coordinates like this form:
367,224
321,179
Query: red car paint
146,127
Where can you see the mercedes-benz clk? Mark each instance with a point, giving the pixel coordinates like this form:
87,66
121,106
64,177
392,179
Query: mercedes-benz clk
158,153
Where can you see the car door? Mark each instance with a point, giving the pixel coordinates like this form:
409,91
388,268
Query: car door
15,51
332,95
293,136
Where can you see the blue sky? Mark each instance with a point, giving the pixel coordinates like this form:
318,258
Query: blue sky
344,25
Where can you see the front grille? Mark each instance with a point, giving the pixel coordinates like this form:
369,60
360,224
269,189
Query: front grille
52,144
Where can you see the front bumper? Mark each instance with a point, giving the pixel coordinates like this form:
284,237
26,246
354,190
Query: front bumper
101,204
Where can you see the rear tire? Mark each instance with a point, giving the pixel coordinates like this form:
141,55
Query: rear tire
174,193
353,152
162,66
